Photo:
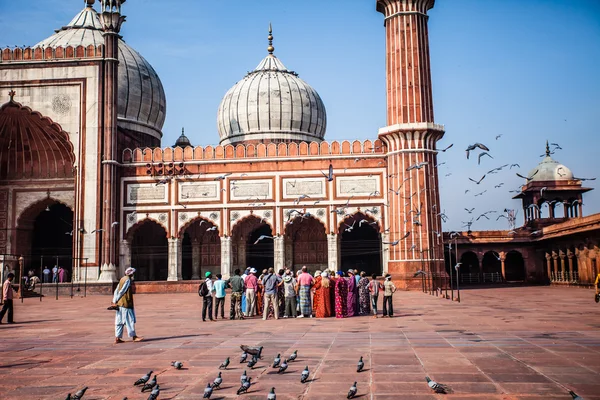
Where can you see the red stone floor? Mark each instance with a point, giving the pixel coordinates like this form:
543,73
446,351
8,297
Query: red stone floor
506,343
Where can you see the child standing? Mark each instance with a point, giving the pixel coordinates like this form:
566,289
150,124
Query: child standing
388,290
219,287
374,287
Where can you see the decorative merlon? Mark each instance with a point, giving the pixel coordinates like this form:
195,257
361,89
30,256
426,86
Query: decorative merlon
413,126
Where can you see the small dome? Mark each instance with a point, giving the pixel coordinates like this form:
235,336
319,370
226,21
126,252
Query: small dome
142,101
550,170
271,103
182,141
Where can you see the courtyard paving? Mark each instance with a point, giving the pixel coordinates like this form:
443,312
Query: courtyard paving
501,343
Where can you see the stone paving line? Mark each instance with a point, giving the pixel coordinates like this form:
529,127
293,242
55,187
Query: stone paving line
499,343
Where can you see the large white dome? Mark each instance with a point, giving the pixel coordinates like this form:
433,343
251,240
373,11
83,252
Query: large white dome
142,102
271,104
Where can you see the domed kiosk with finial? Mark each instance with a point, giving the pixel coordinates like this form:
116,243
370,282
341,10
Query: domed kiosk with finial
182,141
271,104
553,184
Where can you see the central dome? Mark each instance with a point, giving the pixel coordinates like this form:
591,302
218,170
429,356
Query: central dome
550,170
271,104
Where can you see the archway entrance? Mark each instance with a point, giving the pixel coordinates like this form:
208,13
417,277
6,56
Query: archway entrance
491,264
248,250
514,265
149,251
308,241
46,238
470,263
201,250
360,244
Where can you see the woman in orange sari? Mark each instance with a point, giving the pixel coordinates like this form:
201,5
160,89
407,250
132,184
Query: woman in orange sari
316,300
323,289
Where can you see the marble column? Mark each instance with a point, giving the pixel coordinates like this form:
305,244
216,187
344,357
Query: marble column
555,266
226,259
385,253
333,252
563,269
502,256
570,258
174,260
278,253
289,253
549,267
196,251
125,256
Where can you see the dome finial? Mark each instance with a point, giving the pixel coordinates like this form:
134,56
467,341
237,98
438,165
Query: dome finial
270,49
547,149
12,94
183,131
89,3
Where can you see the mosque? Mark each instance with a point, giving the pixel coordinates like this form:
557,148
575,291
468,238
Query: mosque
86,183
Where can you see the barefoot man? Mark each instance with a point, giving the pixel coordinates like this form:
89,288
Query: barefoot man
123,298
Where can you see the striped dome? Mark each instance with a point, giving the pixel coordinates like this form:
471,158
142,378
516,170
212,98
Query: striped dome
271,104
142,101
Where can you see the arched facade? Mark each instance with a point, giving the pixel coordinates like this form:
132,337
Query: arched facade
149,251
249,250
361,244
515,266
201,249
308,243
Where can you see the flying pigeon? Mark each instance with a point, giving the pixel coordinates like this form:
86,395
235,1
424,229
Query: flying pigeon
329,176
245,386
304,375
271,395
154,394
222,177
224,364
481,155
282,367
217,382
177,364
293,356
352,391
252,350
436,387
207,391
79,394
479,181
143,379
360,365
474,146
444,150
262,237
149,385
243,357
244,377
277,360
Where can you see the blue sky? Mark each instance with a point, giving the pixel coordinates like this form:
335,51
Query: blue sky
527,70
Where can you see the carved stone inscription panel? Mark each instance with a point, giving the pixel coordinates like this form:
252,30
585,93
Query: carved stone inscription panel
140,193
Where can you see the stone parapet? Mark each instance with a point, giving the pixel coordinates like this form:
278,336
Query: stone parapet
50,54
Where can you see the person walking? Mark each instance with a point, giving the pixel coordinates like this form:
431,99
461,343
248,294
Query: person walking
236,283
46,274
388,290
363,295
305,281
7,298
251,289
374,287
219,288
270,283
123,299
206,291
289,284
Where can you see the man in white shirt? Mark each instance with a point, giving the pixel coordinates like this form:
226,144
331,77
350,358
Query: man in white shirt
46,275
207,300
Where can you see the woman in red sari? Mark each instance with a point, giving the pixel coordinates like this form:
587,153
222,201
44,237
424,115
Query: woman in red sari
341,296
316,300
323,288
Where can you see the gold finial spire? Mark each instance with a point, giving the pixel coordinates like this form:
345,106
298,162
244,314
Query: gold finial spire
270,49
12,94
547,149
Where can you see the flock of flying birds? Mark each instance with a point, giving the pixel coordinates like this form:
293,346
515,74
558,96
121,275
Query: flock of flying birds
149,382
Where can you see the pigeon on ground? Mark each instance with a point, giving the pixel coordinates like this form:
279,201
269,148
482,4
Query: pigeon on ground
293,356
352,391
252,362
282,367
207,391
68,396
149,385
436,387
575,396
217,382
177,364
277,360
143,379
244,377
304,375
245,386
243,357
360,365
79,394
252,350
224,364
154,394
272,395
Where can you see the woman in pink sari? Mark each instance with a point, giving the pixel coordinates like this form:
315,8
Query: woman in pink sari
341,296
352,294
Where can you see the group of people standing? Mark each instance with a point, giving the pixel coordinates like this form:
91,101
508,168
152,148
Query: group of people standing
286,294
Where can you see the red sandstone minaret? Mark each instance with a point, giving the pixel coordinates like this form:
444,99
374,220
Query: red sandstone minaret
410,137
112,20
